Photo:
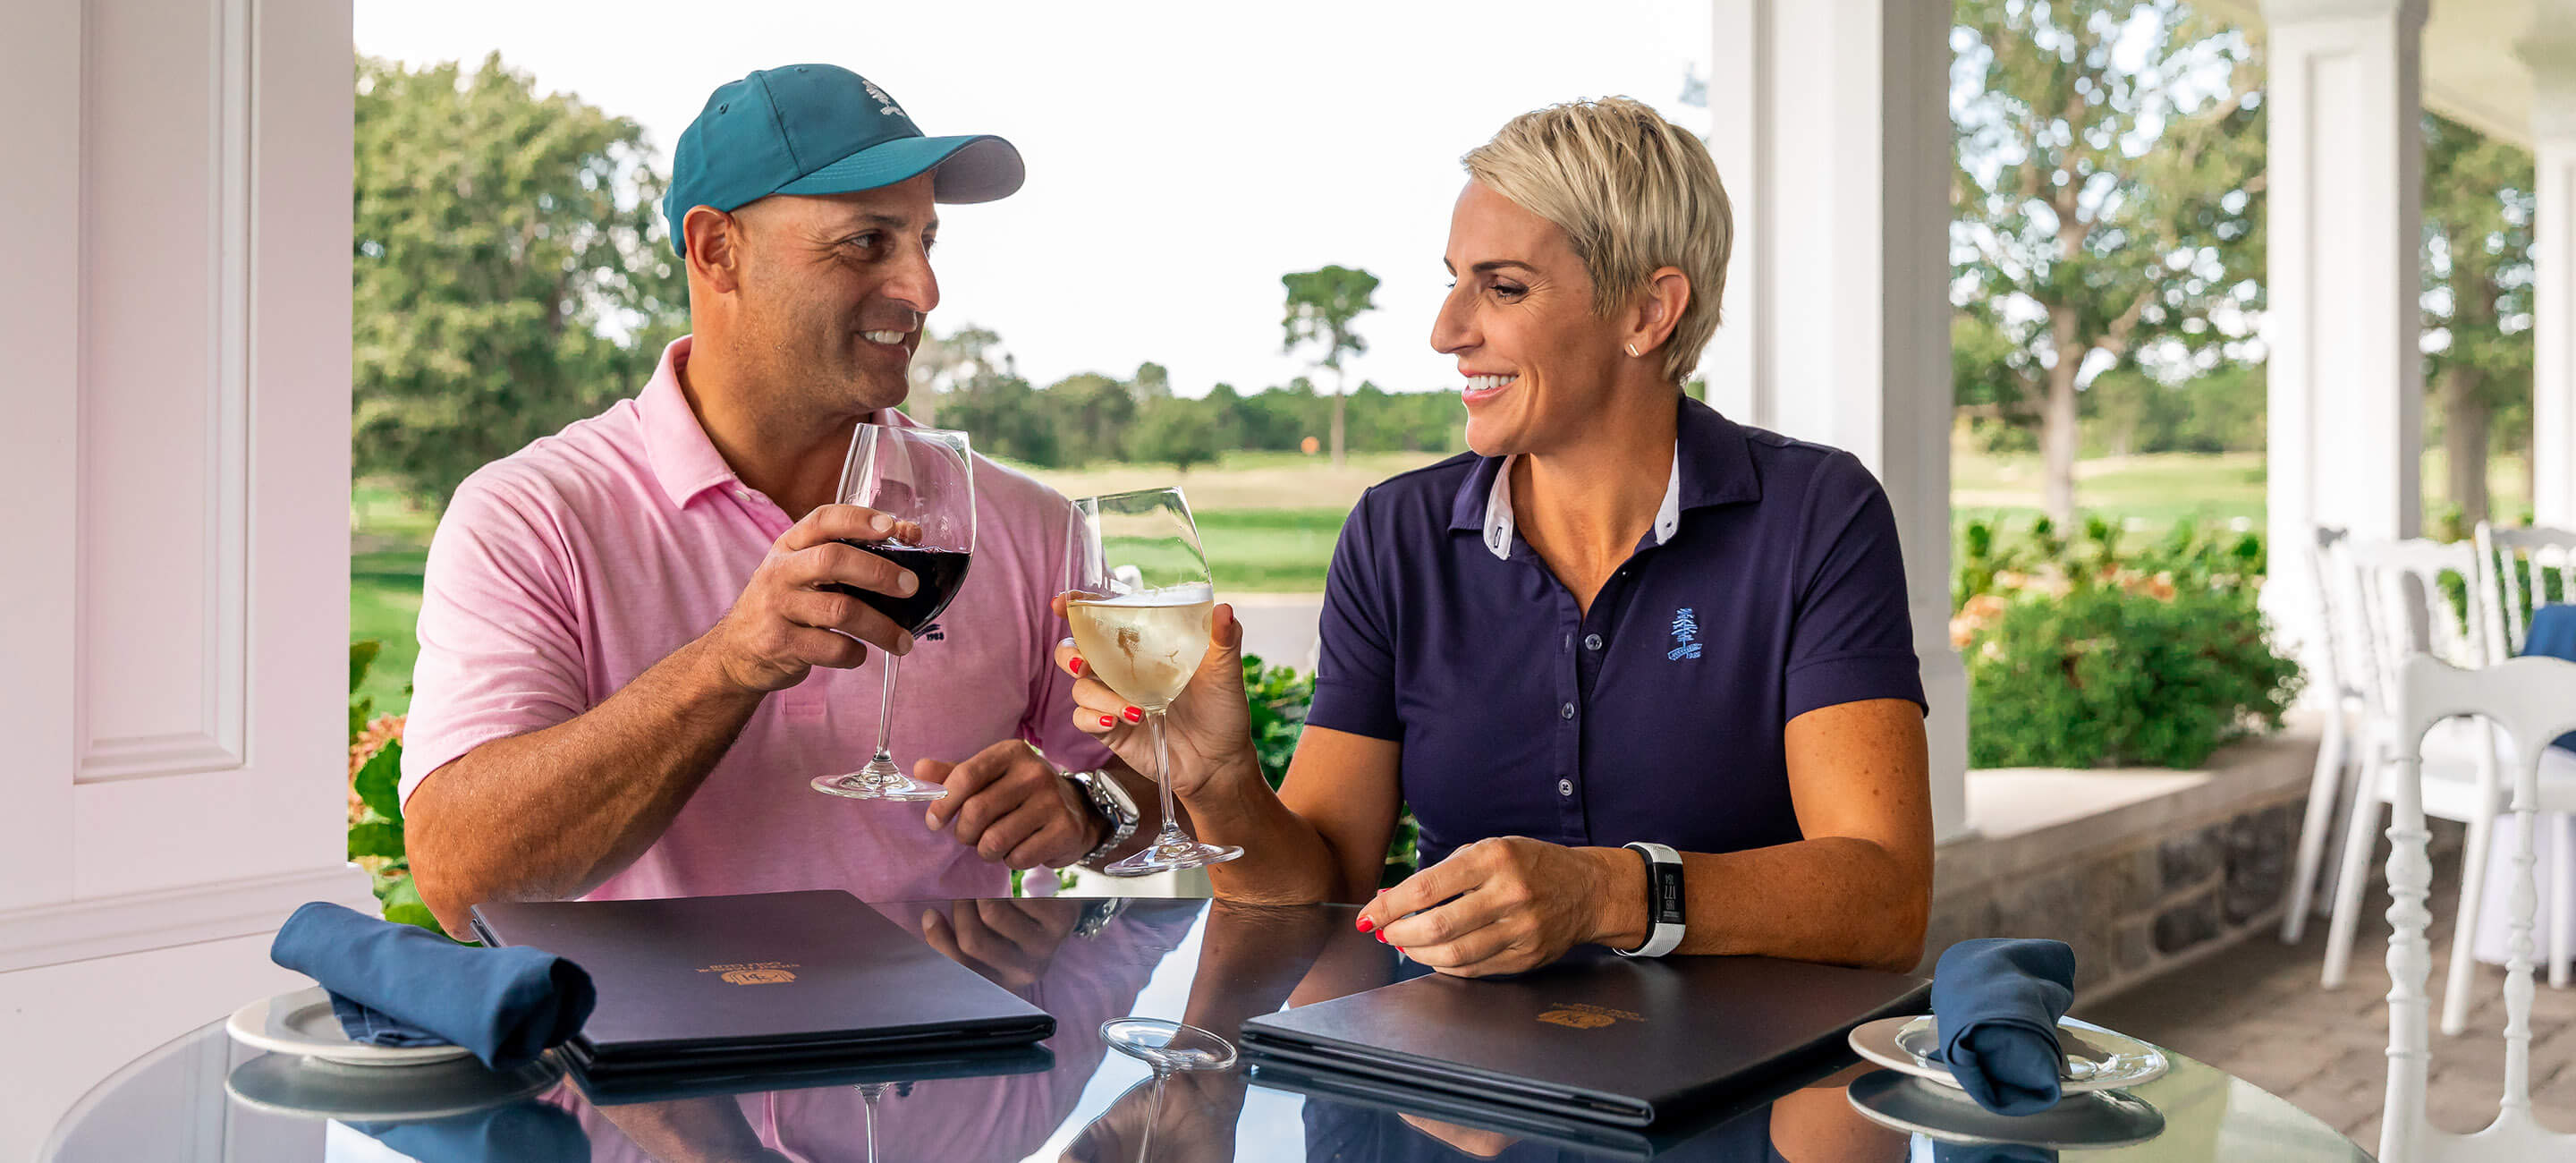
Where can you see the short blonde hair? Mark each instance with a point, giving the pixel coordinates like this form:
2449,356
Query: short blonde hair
1633,193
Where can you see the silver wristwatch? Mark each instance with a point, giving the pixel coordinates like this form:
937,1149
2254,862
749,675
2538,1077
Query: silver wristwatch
1114,805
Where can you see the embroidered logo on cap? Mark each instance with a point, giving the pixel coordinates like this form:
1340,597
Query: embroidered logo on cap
891,109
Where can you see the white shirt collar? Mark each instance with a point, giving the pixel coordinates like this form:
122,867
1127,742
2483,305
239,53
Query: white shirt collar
1498,507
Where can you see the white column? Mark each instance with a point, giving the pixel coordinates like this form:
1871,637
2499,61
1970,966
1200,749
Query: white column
2550,51
2346,423
172,602
1830,124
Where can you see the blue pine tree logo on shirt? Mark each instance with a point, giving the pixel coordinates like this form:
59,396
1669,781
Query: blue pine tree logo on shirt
1685,635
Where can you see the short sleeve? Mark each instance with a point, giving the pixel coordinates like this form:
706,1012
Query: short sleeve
500,646
1355,670
1852,636
1048,725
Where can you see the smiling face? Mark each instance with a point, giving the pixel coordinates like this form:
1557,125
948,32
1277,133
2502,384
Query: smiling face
830,295
1538,362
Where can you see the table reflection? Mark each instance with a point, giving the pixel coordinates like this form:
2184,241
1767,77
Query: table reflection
1210,965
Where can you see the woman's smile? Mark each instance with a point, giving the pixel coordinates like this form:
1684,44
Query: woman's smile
1481,388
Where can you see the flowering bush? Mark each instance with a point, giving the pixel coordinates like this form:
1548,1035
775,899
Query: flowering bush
375,800
2082,655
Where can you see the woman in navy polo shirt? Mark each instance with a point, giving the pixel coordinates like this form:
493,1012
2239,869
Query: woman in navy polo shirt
1621,619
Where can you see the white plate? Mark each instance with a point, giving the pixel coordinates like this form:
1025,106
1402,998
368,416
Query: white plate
1917,1107
318,1089
2096,1058
301,1023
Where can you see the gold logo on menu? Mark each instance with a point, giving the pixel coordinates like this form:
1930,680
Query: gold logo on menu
1583,1016
754,972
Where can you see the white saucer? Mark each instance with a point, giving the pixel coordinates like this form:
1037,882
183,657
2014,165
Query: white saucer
2096,1058
315,1088
1917,1107
301,1024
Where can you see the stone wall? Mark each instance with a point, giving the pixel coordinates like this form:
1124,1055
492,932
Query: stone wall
2144,886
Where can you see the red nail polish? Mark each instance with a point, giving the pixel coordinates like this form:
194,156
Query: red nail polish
1135,715
1106,721
1076,664
1381,938
1367,925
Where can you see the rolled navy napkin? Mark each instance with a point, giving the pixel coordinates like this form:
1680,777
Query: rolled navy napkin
399,985
2552,634
1997,1002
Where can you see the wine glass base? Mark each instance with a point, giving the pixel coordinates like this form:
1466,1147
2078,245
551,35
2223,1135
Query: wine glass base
871,785
1172,858
1167,1045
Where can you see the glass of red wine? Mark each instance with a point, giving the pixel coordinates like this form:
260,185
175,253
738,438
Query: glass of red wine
924,478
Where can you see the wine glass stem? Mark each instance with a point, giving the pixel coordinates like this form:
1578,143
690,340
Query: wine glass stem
885,710
1171,833
1153,1115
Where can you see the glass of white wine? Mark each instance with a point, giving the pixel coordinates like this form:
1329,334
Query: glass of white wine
1140,600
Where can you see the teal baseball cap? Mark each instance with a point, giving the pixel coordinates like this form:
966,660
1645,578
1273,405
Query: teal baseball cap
820,129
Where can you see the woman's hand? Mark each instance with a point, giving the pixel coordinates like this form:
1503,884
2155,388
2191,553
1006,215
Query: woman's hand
1511,904
1208,728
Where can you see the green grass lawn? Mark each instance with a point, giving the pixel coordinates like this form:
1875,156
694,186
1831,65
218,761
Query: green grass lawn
1269,519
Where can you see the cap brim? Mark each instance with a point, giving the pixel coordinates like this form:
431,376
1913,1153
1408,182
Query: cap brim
980,168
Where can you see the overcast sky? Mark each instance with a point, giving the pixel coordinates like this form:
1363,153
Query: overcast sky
1181,156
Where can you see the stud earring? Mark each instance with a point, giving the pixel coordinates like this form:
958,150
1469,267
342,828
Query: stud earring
1632,350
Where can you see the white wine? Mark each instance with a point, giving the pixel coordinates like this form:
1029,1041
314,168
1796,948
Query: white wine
1145,646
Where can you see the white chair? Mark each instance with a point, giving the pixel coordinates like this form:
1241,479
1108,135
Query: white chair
2399,609
2533,700
2338,682
2517,564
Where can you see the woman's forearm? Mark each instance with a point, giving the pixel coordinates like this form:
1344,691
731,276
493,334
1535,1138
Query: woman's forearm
1835,899
1285,860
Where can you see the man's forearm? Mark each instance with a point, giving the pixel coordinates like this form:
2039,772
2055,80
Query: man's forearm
552,813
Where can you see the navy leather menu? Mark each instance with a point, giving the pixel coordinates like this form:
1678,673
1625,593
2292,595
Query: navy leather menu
1595,1038
693,982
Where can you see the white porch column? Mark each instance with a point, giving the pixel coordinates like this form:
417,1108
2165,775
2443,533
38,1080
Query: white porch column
2346,379
1830,123
2549,49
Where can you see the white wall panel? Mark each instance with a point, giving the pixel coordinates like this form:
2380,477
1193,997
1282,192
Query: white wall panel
177,568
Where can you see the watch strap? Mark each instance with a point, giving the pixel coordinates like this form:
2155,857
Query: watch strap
1664,900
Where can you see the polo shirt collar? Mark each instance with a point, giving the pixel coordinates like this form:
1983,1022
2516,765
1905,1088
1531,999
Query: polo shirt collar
1710,467
684,461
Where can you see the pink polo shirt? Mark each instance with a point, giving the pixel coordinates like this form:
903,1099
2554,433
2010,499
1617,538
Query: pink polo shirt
561,572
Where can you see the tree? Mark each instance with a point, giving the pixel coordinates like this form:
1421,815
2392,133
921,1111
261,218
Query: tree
1150,383
2107,200
2479,201
511,272
1180,433
1321,305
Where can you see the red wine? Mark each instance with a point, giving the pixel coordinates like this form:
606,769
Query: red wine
941,572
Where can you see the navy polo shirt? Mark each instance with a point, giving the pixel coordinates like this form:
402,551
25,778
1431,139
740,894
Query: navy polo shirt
1770,586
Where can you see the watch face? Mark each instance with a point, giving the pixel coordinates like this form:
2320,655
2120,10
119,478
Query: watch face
1117,793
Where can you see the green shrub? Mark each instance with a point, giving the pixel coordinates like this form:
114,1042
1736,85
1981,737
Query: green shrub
375,800
2080,654
1279,697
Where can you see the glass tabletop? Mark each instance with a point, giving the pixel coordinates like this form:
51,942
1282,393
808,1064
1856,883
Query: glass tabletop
1210,964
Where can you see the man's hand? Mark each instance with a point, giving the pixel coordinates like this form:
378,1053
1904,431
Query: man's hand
1012,808
1009,942
1518,904
785,623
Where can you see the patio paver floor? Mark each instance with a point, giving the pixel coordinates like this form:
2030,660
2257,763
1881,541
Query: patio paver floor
2255,1010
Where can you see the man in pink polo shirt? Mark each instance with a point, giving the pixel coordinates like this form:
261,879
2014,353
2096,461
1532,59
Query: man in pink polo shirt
628,671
